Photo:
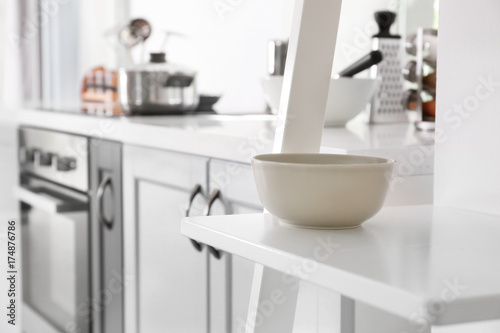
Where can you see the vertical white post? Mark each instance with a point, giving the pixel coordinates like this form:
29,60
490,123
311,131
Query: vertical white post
307,76
300,128
323,311
272,303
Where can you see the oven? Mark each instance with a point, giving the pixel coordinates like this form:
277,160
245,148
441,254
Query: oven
55,231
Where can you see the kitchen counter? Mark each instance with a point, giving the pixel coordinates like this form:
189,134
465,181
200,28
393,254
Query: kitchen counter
236,137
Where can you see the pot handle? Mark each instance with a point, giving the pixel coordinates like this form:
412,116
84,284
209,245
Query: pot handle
179,81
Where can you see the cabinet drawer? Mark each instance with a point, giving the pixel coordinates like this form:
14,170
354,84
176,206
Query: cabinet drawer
162,166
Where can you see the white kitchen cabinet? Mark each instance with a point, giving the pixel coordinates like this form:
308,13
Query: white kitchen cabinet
170,286
165,276
230,277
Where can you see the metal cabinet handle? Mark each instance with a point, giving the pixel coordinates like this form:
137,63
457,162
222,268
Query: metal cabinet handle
216,253
100,196
196,190
213,197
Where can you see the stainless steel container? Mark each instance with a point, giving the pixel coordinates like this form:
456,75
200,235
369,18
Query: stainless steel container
157,87
277,52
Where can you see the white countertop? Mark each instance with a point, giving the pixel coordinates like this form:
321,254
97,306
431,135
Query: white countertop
230,137
413,261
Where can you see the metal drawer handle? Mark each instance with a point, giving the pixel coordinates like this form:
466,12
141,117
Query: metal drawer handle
196,190
216,253
213,197
100,196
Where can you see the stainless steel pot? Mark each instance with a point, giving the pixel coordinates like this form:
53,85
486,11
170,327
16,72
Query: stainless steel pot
157,87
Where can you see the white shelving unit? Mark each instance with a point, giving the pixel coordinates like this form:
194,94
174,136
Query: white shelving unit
428,265
416,262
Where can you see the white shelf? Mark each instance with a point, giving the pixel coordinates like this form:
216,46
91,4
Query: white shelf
405,260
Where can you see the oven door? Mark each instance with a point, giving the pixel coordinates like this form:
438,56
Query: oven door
55,258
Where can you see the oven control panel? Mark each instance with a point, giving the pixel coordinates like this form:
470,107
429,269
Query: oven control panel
58,157
46,159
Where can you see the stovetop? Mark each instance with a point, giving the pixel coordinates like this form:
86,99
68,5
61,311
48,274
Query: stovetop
114,112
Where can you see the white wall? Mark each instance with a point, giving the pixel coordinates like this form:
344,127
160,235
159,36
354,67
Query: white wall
226,44
418,13
3,45
467,162
10,86
96,19
357,26
229,50
8,205
468,155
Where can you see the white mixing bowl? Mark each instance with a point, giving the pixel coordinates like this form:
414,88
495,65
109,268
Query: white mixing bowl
347,97
323,191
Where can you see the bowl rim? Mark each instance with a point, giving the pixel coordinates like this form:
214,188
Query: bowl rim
377,161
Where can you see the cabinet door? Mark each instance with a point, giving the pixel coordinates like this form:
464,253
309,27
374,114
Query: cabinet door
230,277
167,275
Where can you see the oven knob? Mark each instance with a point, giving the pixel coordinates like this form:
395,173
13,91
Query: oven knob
27,155
45,159
30,155
66,163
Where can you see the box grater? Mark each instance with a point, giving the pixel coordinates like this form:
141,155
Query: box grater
387,103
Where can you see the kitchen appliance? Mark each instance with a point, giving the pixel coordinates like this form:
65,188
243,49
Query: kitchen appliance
64,258
108,280
157,87
387,103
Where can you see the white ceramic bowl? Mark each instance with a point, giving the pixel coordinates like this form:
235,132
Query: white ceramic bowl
346,99
322,191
